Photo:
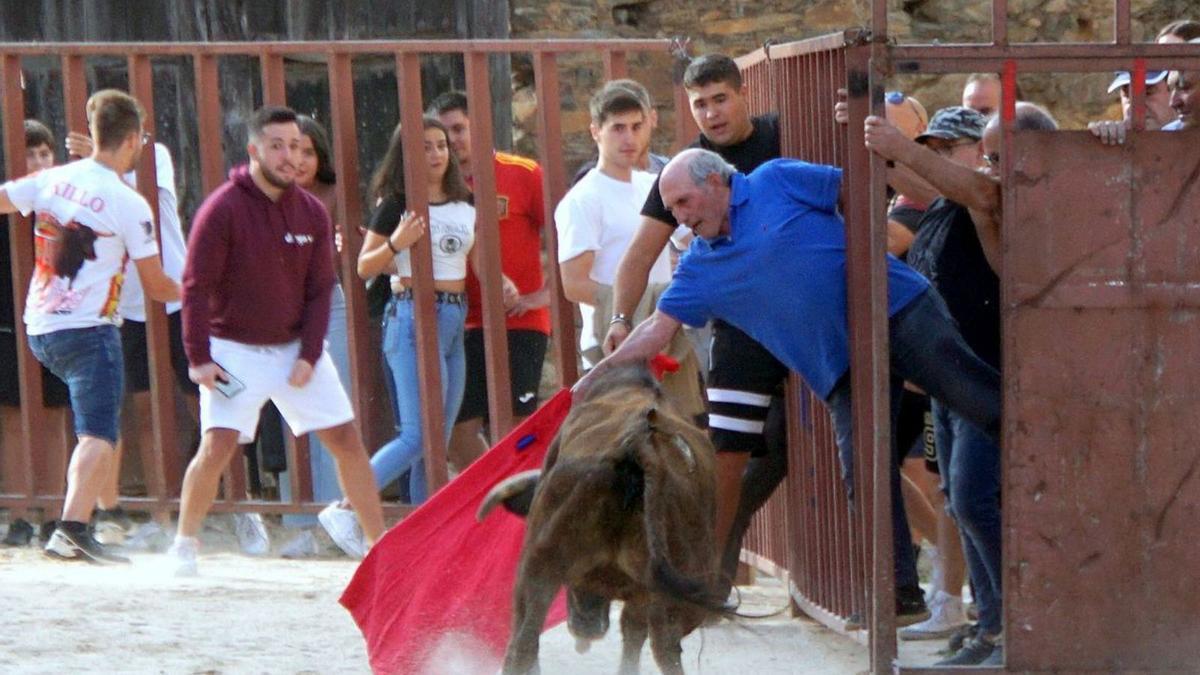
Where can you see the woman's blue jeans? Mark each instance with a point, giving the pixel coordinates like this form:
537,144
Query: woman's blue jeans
406,450
325,485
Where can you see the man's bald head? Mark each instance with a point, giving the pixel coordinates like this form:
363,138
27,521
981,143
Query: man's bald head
695,186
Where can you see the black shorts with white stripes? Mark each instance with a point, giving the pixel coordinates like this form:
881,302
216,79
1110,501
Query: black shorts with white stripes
743,380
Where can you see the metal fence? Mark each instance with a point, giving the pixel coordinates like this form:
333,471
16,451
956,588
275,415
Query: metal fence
34,461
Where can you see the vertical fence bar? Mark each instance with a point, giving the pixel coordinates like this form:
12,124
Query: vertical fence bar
1121,22
1137,94
549,133
615,66
416,185
75,92
162,379
274,82
208,121
487,242
18,474
999,22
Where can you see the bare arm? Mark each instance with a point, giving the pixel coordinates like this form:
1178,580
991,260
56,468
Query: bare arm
905,181
576,278
155,282
632,274
6,205
375,255
648,339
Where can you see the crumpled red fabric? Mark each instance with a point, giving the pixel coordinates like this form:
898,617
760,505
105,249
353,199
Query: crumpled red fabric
439,584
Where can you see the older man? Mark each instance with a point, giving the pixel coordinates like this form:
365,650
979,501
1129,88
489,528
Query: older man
769,258
1183,87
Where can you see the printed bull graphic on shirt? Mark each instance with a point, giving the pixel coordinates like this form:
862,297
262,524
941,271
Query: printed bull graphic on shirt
60,252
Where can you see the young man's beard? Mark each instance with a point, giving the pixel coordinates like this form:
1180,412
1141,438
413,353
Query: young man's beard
274,179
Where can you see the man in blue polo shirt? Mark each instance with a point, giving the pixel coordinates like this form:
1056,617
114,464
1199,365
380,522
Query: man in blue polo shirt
769,257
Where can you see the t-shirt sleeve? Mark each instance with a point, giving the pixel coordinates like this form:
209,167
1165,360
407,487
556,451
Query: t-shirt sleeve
137,229
654,208
22,192
577,220
685,300
813,185
386,216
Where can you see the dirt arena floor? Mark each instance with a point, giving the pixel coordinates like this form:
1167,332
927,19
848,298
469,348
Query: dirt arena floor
270,615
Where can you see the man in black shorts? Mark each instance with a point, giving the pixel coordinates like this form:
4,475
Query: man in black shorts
522,216
747,418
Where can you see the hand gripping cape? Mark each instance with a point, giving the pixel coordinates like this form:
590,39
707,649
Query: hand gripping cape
439,584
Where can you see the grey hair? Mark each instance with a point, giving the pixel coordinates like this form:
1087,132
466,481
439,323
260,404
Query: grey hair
706,163
1030,117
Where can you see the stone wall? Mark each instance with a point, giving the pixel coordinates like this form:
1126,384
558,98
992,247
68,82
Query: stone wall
739,26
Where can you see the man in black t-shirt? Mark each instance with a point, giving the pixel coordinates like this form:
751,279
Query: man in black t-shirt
957,248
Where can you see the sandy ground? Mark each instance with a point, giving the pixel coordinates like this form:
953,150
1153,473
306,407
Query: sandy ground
269,615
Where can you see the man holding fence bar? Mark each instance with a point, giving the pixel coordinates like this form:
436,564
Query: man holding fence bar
776,228
87,223
256,296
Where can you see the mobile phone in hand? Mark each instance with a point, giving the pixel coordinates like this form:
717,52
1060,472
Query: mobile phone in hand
227,384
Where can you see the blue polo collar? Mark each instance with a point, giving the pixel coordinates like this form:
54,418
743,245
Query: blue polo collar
739,190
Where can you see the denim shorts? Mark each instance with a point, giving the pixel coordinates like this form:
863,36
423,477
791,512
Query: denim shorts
90,361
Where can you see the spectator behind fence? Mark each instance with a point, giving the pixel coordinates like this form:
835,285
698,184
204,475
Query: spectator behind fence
596,220
521,210
778,228
646,161
87,223
315,173
1184,86
255,332
391,234
957,249
39,155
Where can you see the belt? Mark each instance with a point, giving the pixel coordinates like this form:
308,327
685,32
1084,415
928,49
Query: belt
444,297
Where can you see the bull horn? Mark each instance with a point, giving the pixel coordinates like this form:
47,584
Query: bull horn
515,492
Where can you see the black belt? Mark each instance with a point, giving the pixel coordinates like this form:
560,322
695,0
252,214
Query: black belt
444,297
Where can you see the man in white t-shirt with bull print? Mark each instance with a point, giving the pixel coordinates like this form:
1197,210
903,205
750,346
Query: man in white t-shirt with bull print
87,224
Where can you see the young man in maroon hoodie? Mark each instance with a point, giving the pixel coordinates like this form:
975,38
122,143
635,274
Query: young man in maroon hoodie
256,289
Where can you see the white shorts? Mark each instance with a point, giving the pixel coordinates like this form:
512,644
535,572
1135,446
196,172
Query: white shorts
264,369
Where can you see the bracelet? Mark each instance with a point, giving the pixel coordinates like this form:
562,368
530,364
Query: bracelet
390,246
621,318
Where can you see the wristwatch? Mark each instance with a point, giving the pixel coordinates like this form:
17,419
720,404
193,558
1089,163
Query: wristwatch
621,318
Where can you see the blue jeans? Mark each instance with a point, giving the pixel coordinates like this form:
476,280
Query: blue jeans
927,350
405,451
90,361
324,470
969,462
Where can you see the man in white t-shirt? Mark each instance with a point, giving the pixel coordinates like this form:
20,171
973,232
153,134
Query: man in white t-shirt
87,224
596,221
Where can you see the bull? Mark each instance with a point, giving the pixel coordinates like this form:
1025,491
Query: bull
622,509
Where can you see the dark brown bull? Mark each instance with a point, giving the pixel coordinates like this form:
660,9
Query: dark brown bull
622,509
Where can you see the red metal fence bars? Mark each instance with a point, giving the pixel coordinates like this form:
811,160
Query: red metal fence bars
809,530
32,464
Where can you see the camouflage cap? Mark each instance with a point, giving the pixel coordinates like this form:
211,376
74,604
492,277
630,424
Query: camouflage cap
954,123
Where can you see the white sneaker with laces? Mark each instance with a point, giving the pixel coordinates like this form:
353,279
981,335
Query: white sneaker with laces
252,533
343,528
946,616
182,555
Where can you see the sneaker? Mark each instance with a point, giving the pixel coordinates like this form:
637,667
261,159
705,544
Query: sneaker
959,637
304,545
973,653
910,606
182,555
996,658
20,533
946,616
252,533
72,541
342,526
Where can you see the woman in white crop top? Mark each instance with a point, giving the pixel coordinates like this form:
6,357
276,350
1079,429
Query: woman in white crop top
387,248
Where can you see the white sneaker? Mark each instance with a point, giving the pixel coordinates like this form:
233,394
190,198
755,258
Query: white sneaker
304,545
947,616
252,533
343,528
182,555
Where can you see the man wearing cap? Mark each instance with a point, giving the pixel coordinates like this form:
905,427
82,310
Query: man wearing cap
957,249
1156,103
